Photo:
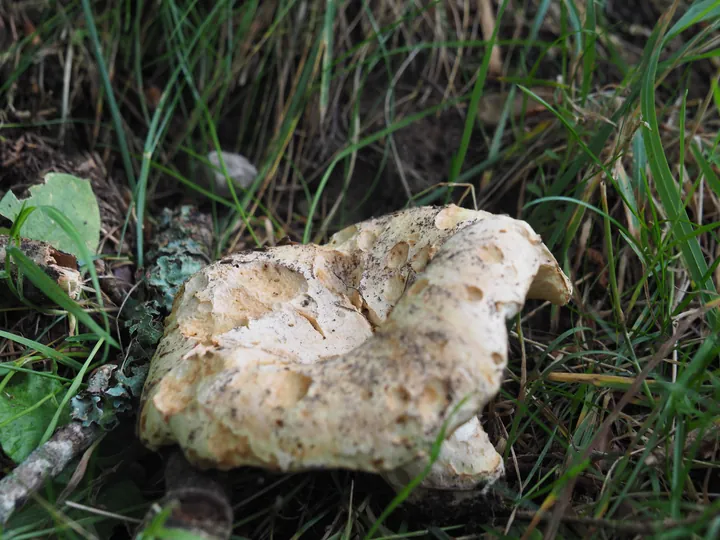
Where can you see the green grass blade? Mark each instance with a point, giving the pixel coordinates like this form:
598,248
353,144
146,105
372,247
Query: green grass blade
710,177
59,357
590,52
53,291
477,93
109,92
698,12
9,366
326,74
668,189
77,381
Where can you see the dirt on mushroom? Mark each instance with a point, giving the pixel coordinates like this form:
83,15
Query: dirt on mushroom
350,354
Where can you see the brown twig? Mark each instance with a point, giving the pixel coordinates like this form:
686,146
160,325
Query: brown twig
198,500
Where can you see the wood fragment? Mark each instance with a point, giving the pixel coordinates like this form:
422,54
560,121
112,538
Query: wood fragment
199,501
61,267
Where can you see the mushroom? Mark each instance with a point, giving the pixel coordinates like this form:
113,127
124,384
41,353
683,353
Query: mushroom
354,354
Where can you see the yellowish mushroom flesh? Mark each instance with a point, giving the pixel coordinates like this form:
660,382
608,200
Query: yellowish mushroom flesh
353,354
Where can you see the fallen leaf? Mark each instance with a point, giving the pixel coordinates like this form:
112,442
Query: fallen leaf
20,435
70,195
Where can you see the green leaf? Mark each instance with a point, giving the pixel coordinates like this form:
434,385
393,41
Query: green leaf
73,197
27,406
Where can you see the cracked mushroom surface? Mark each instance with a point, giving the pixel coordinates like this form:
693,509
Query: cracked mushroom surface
352,354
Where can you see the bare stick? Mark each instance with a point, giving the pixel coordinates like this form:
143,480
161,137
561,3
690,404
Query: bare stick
44,463
198,500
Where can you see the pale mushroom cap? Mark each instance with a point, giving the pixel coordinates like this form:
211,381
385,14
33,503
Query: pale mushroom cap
269,358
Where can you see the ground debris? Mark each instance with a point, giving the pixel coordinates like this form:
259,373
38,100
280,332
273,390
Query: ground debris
61,267
181,244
